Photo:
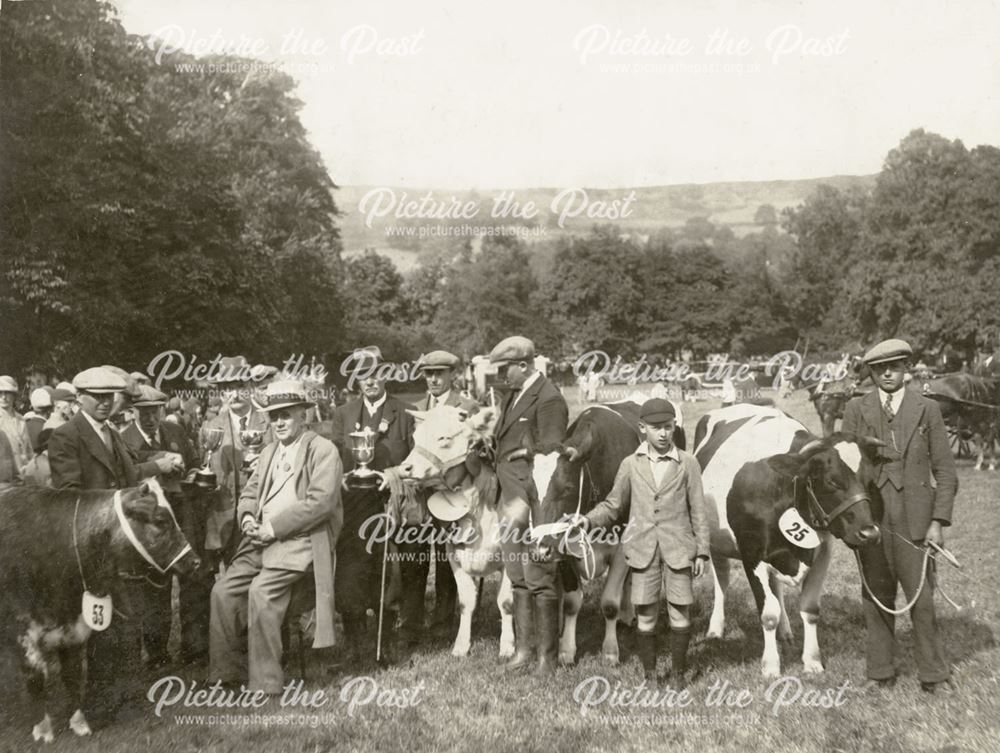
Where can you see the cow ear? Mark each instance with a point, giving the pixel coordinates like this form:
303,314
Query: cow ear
141,507
869,446
789,464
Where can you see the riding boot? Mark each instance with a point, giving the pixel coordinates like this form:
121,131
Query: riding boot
547,611
411,613
353,637
524,630
645,648
389,653
445,591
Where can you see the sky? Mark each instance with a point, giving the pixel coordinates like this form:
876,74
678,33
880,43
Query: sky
609,94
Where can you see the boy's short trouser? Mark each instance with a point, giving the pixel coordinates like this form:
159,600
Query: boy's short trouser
647,584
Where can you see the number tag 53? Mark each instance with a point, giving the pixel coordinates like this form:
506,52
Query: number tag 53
796,530
97,611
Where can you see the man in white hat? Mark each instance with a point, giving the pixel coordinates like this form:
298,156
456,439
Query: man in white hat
290,515
12,423
41,409
533,420
916,483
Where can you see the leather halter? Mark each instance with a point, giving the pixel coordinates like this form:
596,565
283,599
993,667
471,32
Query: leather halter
821,518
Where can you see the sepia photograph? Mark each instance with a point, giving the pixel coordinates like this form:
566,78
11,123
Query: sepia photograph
516,377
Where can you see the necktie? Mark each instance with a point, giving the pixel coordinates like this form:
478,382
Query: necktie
243,423
889,412
154,441
106,435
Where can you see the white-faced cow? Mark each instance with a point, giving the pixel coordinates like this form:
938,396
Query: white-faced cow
777,496
52,541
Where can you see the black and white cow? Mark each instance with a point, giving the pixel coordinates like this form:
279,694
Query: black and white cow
47,538
777,496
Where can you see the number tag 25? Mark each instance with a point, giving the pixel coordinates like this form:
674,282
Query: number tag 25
796,530
97,611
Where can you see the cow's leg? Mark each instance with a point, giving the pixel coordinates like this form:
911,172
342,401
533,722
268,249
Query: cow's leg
35,668
770,613
572,602
980,441
720,583
505,600
613,600
812,591
784,627
466,587
71,660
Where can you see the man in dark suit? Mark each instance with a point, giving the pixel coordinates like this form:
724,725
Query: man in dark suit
357,581
439,368
238,415
149,438
532,422
916,481
85,453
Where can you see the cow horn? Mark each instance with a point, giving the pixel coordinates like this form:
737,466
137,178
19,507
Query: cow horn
571,453
809,446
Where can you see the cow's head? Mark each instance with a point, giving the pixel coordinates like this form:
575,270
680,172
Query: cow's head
444,438
831,485
152,522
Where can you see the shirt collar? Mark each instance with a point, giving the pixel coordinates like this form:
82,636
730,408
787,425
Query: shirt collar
98,426
896,398
372,408
440,399
645,449
147,437
535,376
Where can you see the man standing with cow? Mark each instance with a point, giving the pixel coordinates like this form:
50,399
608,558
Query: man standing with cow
533,421
86,453
358,575
660,486
439,368
915,475
290,516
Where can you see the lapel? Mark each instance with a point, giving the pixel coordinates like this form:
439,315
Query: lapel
265,462
645,472
871,411
352,412
525,401
910,412
389,411
95,445
297,464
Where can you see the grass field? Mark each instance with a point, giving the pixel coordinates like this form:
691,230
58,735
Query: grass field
470,705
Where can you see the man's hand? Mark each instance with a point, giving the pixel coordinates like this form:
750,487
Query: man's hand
248,525
698,569
169,463
262,535
935,533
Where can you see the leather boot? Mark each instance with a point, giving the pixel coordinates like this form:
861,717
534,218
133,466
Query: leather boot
524,630
411,614
645,648
547,612
353,637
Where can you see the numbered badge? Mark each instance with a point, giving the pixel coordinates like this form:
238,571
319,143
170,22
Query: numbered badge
796,530
97,611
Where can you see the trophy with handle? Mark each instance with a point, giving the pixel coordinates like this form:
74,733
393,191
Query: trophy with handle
363,451
205,477
253,442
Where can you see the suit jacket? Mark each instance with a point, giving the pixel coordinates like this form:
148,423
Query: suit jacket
227,464
79,459
173,438
672,515
925,450
391,446
307,531
538,420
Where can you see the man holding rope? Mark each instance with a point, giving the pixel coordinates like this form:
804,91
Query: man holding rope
915,476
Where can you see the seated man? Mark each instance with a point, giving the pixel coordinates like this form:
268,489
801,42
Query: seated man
290,513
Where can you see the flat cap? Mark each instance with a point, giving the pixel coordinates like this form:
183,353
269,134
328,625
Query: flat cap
149,397
60,393
439,359
98,380
7,384
66,386
657,410
888,350
229,369
41,398
514,348
139,378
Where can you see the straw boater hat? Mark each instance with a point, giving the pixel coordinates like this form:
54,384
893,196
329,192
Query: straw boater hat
284,393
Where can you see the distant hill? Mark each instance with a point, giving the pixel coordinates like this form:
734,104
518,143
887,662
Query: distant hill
731,204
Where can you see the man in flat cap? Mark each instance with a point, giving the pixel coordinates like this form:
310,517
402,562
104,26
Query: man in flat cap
916,481
12,423
533,421
358,572
86,453
234,382
290,516
439,368
150,438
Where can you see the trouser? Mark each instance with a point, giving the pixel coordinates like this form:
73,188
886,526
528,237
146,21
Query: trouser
525,572
445,589
250,598
195,588
358,573
114,655
414,564
885,565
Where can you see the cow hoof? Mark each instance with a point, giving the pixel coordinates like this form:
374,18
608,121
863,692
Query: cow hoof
611,659
812,666
460,651
771,672
567,659
43,731
506,651
78,723
712,633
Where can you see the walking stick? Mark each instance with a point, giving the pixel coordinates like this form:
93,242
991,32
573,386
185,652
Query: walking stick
381,602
